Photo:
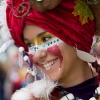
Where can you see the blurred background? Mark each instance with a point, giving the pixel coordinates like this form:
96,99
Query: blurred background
12,77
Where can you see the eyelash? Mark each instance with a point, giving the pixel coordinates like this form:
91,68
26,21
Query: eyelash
30,44
45,39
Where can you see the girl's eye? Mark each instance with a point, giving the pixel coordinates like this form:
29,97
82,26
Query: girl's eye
30,45
45,39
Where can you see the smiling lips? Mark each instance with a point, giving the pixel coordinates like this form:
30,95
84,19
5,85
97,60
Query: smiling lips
47,65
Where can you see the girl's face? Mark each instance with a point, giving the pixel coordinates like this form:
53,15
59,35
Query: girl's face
54,57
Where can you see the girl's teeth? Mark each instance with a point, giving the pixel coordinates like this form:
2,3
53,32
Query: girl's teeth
47,65
47,68
52,62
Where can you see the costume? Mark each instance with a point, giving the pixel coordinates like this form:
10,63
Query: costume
75,27
83,90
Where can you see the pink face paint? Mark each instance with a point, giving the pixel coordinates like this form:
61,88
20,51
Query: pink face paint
53,50
56,51
31,56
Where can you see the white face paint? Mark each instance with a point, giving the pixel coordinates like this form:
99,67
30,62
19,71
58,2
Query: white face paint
45,46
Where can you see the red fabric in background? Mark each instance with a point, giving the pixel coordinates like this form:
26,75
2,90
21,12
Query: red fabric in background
60,21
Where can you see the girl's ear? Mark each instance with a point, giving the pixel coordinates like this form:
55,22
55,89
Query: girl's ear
44,5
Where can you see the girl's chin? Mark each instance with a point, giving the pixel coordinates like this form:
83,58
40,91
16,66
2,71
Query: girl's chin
54,75
53,78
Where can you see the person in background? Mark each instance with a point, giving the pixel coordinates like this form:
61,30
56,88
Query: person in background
2,81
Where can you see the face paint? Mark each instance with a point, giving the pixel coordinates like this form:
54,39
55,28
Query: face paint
31,56
43,38
45,45
53,50
56,51
36,65
51,45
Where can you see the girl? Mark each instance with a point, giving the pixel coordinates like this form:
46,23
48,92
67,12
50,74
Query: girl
58,43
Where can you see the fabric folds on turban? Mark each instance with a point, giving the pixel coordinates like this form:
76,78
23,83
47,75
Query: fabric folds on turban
60,22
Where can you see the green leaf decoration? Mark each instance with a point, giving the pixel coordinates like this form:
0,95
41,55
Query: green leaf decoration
94,46
93,2
96,43
97,40
83,10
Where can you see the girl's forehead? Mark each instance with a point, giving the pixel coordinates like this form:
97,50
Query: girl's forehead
31,31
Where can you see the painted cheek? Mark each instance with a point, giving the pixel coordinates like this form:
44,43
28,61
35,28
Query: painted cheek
53,50
56,51
31,56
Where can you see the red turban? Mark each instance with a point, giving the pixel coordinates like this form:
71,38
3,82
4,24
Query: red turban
60,22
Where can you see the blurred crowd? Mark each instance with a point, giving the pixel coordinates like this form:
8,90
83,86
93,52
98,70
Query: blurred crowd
12,77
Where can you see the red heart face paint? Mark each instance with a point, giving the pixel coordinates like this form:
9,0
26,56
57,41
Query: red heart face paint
49,44
54,50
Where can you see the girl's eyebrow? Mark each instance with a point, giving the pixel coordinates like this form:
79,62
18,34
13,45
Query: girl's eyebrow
39,35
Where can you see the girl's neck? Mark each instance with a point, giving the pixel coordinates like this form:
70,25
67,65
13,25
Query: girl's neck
79,74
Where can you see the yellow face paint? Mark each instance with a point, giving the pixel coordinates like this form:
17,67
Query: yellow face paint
43,38
40,39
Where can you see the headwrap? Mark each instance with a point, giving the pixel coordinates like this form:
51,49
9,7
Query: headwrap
60,21
69,21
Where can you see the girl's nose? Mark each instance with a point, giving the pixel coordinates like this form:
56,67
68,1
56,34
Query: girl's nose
40,55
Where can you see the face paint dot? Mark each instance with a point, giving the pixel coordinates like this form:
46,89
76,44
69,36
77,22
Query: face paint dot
54,41
51,42
57,40
43,45
48,44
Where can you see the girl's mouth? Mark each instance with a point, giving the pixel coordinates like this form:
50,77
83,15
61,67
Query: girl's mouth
49,64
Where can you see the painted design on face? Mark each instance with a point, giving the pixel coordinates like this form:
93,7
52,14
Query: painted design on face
56,51
43,42
43,38
53,50
51,44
